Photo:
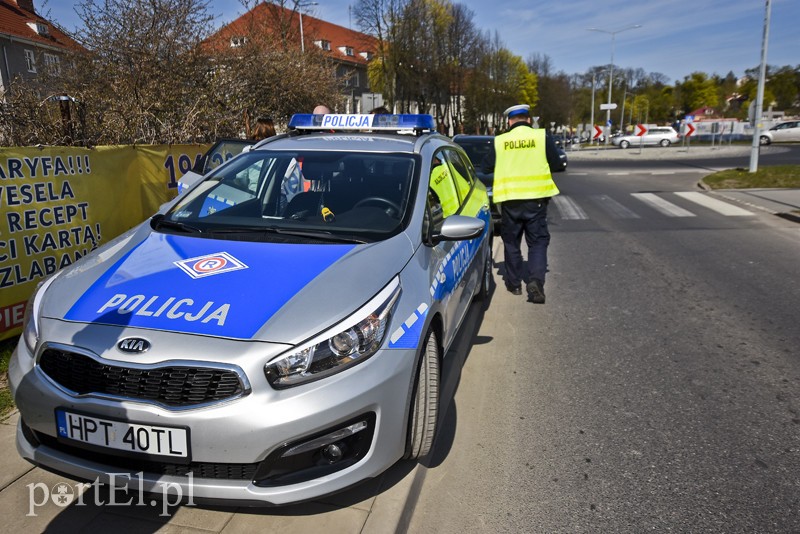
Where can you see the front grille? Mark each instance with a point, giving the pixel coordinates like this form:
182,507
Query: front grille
170,385
213,470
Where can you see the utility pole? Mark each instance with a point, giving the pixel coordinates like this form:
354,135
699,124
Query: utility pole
591,132
762,74
300,7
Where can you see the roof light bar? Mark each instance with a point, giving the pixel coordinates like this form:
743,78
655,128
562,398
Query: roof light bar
359,122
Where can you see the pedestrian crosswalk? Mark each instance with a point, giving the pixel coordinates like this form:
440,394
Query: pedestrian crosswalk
670,204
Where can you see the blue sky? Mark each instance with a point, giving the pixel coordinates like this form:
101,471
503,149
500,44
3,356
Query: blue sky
677,37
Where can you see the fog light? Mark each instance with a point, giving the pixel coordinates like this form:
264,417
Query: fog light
333,452
327,439
320,455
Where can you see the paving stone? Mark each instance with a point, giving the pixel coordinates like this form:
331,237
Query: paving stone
298,519
20,513
12,466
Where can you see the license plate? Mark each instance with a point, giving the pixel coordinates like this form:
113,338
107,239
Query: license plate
123,436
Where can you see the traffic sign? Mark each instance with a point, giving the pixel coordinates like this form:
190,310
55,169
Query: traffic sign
597,132
689,129
641,129
604,107
608,123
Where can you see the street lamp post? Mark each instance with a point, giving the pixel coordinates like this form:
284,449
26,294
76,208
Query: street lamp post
300,12
611,69
594,78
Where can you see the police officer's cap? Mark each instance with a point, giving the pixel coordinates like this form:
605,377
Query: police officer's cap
519,109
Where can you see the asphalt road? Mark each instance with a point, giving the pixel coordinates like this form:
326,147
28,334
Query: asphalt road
657,390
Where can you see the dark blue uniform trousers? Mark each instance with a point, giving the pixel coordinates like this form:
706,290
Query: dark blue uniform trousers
528,217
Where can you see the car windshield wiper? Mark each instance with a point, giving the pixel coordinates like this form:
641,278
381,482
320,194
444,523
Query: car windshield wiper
318,234
160,220
315,234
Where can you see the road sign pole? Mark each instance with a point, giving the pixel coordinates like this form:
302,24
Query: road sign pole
683,133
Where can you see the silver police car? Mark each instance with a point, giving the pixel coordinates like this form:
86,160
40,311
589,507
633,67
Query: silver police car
276,332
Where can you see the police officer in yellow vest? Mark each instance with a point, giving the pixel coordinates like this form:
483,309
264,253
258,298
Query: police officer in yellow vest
522,159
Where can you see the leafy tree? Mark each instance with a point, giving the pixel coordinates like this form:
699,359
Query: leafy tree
555,101
139,80
784,84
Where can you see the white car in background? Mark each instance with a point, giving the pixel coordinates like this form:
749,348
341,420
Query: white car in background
784,132
658,135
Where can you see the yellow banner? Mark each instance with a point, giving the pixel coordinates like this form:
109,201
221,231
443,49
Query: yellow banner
59,203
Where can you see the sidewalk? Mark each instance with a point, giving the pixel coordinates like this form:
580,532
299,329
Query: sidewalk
784,203
29,497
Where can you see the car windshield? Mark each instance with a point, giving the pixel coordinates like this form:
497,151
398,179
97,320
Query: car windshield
289,196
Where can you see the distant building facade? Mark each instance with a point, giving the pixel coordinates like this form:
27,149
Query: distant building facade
349,50
30,43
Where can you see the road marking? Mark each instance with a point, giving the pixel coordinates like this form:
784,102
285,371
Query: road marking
662,173
667,208
618,174
713,204
616,209
568,208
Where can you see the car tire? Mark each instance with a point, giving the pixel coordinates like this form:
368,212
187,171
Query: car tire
764,140
424,401
482,295
624,144
664,142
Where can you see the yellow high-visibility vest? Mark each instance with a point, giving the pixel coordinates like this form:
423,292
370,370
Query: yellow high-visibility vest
521,170
445,189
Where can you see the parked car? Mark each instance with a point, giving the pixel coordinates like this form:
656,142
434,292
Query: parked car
788,131
655,136
273,334
476,147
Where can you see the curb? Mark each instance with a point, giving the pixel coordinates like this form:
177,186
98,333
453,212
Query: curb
789,216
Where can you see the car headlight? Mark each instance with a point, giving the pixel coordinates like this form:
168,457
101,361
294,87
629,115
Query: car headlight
30,321
348,343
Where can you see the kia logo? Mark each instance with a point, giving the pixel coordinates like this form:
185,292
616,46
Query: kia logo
133,345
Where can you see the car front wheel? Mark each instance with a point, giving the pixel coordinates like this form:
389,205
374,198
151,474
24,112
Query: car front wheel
624,144
664,142
425,401
764,140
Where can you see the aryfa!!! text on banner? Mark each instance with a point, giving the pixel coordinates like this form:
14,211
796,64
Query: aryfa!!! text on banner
60,203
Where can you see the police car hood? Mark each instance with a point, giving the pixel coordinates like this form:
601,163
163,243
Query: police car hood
274,292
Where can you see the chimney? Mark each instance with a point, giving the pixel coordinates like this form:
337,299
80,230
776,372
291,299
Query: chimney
25,5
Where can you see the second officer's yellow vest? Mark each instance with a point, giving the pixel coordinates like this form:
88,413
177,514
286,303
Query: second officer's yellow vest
443,187
521,170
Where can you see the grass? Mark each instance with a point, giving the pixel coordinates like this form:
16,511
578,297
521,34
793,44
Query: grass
779,176
6,348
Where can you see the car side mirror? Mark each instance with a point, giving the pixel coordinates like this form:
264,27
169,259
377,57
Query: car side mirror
459,228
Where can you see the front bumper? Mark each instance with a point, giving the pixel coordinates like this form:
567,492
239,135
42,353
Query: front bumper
232,443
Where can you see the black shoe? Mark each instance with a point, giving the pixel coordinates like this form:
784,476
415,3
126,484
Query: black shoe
535,291
514,290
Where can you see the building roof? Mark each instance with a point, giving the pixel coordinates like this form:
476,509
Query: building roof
705,111
341,40
17,21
